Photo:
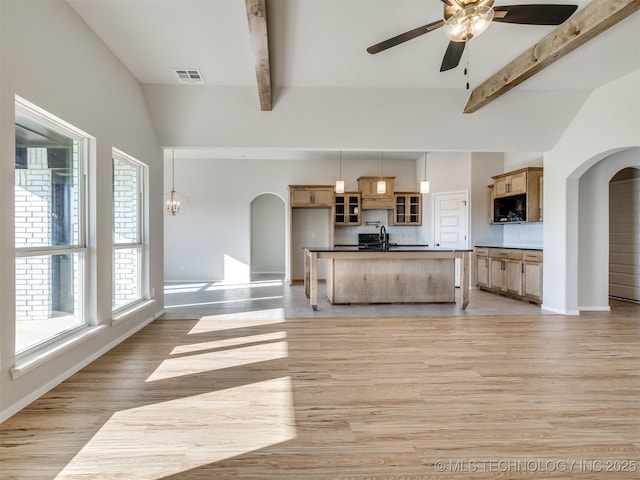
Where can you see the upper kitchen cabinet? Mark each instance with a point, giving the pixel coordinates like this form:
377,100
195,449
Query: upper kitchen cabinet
408,209
311,196
371,199
347,209
516,196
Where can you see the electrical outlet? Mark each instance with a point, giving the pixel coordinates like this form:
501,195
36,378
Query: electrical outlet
153,293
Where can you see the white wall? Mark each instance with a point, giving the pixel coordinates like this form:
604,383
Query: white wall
51,58
608,122
360,119
217,223
517,160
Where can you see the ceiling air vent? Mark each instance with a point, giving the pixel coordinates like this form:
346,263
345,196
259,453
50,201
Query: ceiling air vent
189,76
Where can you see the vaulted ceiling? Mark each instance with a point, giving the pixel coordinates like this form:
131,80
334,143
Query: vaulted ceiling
322,43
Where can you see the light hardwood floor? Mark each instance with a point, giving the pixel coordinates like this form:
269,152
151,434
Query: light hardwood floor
379,398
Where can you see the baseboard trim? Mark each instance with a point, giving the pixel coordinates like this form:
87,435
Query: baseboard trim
561,311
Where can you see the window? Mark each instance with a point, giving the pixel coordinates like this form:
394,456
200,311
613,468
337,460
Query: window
128,231
50,227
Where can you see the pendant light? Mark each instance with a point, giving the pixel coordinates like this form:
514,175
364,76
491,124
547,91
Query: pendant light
424,184
176,204
340,182
382,185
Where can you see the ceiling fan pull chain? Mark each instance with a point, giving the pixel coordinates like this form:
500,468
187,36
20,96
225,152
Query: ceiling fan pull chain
466,66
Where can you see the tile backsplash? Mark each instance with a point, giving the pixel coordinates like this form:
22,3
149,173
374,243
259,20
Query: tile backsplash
523,234
399,235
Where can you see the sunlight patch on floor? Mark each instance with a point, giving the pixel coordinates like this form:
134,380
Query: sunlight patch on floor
218,360
240,320
223,302
202,429
228,342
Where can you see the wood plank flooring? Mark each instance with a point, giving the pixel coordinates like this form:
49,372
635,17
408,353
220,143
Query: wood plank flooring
450,397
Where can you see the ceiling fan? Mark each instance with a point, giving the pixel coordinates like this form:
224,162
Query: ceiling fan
465,19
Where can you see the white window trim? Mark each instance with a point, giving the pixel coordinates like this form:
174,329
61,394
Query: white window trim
45,348
121,312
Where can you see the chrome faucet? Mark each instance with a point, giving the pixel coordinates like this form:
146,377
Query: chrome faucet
384,241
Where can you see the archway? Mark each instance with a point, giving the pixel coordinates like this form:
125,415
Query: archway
267,236
593,227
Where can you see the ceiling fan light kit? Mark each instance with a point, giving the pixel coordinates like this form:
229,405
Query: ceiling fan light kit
468,22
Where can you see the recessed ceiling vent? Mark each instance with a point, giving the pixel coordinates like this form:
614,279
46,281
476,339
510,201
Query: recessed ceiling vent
189,76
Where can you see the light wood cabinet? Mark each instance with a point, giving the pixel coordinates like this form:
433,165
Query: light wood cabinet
371,199
516,196
347,209
511,184
482,267
532,276
513,272
311,196
407,209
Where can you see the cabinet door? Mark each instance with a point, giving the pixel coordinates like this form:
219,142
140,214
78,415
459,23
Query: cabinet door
501,186
497,274
533,280
513,270
415,209
518,183
353,209
323,197
482,271
301,197
407,209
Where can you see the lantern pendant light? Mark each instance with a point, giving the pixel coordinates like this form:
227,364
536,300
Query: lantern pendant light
176,204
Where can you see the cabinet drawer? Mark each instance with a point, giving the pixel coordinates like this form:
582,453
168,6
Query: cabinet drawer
482,252
532,255
505,253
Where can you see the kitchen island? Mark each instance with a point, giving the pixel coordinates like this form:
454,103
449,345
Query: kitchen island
396,275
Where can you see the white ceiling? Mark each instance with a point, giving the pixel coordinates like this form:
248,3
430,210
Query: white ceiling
322,43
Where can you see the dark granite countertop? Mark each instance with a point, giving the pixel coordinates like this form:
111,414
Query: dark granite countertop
510,247
391,249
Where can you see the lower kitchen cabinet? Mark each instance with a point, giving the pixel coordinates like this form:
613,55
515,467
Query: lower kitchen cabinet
532,276
513,272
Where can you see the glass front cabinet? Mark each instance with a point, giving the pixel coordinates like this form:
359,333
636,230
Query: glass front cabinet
408,209
347,209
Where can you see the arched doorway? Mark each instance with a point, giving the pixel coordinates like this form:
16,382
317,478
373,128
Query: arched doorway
267,236
594,207
624,235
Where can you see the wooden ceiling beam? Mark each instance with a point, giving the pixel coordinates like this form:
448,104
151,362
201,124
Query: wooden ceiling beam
586,24
257,17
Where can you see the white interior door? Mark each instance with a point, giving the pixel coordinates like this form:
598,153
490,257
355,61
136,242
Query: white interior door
450,221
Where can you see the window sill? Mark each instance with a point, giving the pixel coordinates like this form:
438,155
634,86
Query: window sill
128,312
32,360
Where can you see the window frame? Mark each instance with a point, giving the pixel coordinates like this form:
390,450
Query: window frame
141,243
81,247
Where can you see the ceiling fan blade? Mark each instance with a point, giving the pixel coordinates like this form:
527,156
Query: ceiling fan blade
451,3
534,14
404,37
452,56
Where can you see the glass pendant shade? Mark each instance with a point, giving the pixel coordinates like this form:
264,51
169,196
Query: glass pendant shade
382,187
468,22
424,184
340,182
